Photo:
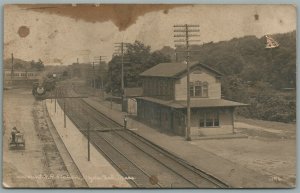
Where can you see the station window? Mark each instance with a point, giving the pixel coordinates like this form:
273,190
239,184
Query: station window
205,89
209,119
191,89
199,89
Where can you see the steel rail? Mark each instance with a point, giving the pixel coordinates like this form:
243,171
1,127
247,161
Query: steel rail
206,177
96,142
142,144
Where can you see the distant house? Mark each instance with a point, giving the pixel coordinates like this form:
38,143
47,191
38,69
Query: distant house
163,104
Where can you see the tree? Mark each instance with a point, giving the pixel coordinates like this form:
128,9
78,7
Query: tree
39,65
101,74
65,73
139,58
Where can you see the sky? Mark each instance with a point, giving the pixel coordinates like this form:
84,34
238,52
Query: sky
61,35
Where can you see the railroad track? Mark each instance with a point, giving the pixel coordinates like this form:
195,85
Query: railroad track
144,163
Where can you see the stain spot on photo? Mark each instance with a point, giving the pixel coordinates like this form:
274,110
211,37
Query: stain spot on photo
256,17
153,179
23,31
53,34
122,16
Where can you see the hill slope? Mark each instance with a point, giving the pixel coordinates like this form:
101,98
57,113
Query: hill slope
253,74
247,58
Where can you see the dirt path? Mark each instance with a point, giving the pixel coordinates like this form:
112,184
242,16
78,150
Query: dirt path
21,165
270,148
266,129
40,164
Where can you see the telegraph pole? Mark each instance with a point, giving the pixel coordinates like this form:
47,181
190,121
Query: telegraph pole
65,121
55,99
12,68
100,59
121,47
111,88
186,32
88,136
93,82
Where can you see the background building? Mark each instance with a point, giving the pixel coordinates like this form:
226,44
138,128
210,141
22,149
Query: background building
21,77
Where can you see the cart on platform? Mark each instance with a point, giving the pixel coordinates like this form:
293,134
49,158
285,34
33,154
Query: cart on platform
18,142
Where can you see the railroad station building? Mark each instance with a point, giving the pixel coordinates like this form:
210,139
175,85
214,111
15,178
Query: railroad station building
163,103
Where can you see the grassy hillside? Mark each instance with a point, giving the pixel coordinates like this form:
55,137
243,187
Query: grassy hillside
263,78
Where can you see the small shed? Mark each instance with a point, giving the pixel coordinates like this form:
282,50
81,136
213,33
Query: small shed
130,95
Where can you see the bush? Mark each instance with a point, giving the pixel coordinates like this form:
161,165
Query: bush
270,107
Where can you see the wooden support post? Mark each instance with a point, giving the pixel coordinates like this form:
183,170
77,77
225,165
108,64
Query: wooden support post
12,69
111,89
232,119
111,102
88,137
65,123
188,125
125,122
55,100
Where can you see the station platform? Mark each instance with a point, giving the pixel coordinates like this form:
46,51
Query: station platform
98,172
233,174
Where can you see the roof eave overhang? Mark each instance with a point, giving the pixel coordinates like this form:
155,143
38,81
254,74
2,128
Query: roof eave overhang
224,106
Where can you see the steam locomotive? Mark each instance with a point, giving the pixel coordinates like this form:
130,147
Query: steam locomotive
40,88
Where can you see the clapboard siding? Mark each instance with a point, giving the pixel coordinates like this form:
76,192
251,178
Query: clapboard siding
214,84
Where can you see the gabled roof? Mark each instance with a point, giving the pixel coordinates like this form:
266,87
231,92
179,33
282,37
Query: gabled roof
173,70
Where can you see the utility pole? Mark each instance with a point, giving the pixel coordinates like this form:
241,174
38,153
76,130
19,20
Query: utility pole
121,48
65,121
111,88
185,32
176,57
100,59
12,68
55,99
88,137
94,78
